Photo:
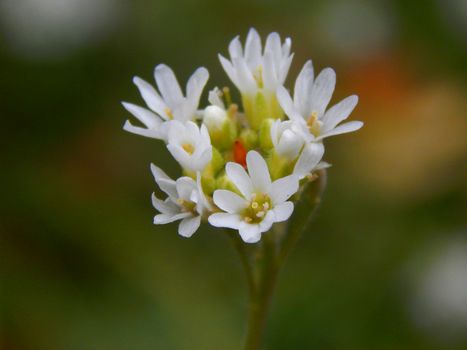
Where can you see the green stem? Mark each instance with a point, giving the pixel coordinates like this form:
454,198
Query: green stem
261,299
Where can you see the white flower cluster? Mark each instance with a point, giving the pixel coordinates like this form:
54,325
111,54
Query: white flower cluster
241,168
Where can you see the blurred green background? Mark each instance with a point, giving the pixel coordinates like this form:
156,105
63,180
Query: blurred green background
384,266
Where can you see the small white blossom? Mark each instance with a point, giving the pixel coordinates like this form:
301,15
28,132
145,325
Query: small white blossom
261,203
190,145
310,100
185,202
169,105
250,69
287,138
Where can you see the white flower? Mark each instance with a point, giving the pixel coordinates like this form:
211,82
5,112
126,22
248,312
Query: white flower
172,105
189,145
290,141
288,138
251,69
261,202
185,202
311,97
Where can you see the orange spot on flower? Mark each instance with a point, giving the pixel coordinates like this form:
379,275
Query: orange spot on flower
239,153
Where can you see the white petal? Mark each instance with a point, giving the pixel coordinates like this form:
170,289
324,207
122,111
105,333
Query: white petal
267,222
165,183
162,219
225,220
289,144
286,103
240,178
322,90
155,134
165,207
283,211
253,49
203,203
283,188
230,70
188,226
144,115
235,48
245,78
250,233
195,86
286,47
229,201
185,186
302,89
168,85
150,96
258,171
338,113
200,163
283,69
342,129
273,45
309,158
180,155
269,73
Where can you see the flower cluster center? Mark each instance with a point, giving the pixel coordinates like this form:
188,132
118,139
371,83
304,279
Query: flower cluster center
257,208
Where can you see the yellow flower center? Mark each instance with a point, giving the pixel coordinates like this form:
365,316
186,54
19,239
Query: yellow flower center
314,125
257,208
187,206
169,113
188,147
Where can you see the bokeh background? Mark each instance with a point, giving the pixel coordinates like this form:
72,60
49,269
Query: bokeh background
384,266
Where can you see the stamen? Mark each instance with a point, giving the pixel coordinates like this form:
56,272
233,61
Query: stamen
248,219
227,97
255,205
168,111
260,214
266,206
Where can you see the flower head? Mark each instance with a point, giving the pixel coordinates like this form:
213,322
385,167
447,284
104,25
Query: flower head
310,100
257,73
169,104
260,203
245,164
185,202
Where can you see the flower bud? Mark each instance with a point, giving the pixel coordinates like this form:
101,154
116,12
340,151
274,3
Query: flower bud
214,118
249,138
